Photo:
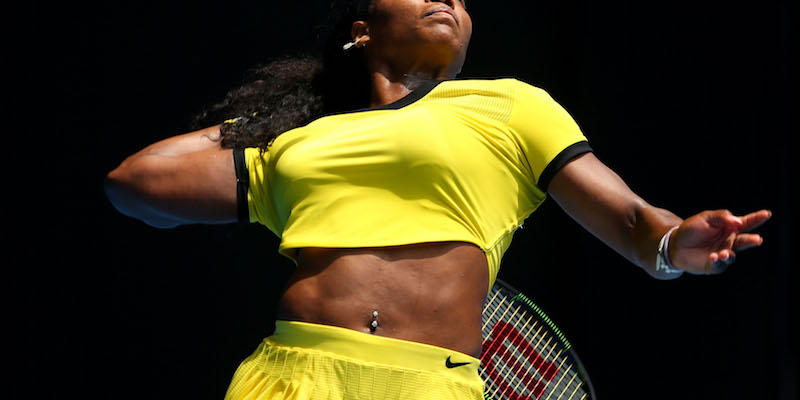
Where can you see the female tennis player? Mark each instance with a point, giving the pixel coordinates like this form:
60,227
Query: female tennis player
396,188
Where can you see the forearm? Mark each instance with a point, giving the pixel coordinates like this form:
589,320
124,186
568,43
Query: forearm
601,202
624,222
598,199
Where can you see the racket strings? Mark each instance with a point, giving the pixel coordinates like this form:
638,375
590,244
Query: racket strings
567,386
518,330
537,364
492,304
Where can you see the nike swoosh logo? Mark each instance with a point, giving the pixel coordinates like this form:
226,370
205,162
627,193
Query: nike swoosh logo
450,364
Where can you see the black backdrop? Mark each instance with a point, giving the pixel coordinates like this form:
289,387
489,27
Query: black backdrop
690,102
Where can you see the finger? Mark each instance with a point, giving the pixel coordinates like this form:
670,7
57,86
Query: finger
746,241
724,219
727,256
754,220
718,262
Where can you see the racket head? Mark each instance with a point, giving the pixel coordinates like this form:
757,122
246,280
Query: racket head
525,355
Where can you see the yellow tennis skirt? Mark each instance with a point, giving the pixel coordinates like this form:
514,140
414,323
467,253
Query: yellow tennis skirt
310,361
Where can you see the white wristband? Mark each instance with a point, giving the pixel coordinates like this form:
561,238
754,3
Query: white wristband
663,262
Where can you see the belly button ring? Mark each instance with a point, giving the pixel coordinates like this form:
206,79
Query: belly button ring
374,323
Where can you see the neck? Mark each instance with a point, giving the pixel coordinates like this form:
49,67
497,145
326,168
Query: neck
389,85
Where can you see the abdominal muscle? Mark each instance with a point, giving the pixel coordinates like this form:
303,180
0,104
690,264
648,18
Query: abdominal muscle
429,293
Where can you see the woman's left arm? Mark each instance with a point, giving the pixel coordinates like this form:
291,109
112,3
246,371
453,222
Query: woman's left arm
598,199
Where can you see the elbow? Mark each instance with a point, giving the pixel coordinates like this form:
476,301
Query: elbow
128,199
114,188
120,190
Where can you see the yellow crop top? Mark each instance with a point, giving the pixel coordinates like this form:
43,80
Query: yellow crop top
461,160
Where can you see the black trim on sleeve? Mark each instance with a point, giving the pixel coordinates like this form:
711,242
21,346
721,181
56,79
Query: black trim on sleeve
561,160
242,186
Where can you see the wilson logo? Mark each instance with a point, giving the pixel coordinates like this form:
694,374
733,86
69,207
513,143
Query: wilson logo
513,364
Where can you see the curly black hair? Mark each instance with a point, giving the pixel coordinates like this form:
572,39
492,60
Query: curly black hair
292,91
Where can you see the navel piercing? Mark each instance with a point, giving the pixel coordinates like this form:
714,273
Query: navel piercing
374,323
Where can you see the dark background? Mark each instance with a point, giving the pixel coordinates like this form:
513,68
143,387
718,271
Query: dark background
692,103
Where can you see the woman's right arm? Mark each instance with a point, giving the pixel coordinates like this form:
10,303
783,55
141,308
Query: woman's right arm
186,179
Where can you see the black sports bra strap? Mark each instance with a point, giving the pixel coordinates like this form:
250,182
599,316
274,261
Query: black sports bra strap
242,186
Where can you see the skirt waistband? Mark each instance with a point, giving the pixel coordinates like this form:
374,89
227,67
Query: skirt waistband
375,349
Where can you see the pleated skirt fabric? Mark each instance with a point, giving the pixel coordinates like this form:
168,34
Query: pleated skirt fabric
310,361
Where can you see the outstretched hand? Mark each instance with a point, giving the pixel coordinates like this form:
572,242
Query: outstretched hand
707,243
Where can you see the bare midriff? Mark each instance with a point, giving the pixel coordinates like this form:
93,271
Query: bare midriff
430,293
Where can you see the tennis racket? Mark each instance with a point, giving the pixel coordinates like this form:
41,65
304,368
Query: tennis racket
525,356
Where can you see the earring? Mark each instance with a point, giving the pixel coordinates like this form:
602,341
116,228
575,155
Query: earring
348,46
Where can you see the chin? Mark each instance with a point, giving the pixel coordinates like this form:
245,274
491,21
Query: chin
445,42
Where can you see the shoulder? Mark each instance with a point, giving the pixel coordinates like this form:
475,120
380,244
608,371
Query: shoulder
526,92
